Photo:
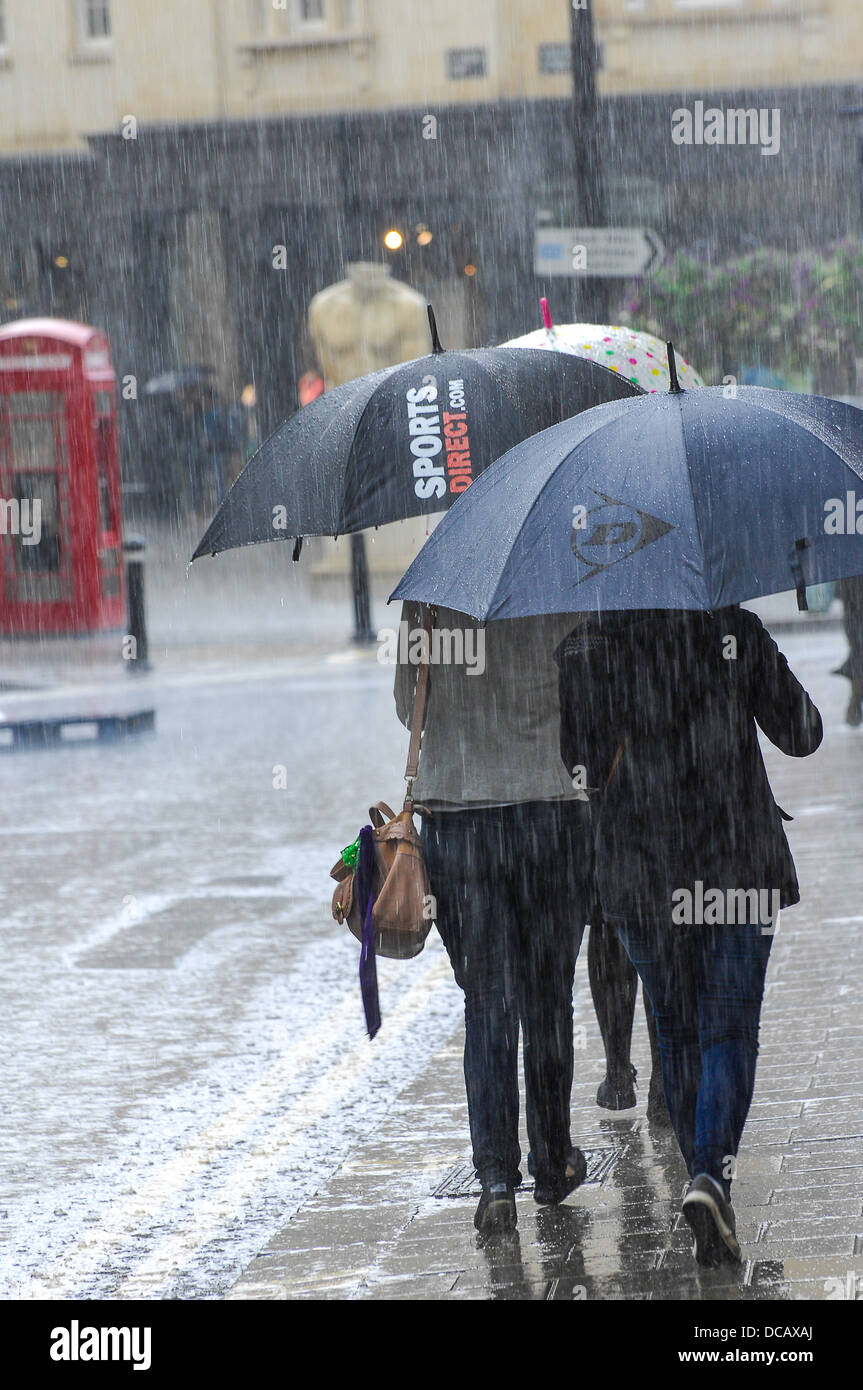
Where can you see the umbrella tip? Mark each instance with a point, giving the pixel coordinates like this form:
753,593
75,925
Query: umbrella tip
437,346
675,386
546,313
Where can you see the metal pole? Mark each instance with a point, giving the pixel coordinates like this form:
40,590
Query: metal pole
363,631
137,617
591,205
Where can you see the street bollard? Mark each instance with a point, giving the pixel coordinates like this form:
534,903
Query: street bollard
134,546
363,630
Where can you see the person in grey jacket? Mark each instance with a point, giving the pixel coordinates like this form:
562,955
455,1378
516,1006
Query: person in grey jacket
508,853
692,862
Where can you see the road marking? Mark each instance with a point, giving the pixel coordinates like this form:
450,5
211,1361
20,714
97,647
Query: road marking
283,1138
324,669
140,1208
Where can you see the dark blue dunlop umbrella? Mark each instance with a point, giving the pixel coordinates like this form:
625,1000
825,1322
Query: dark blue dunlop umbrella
402,442
691,499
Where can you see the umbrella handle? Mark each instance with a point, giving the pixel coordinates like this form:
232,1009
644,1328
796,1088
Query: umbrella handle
797,572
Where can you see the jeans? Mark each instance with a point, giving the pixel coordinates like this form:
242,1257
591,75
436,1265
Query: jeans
706,984
511,890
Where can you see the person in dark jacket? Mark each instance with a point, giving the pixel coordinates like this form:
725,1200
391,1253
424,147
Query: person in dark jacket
692,863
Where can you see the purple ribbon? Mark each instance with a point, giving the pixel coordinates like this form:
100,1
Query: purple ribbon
364,888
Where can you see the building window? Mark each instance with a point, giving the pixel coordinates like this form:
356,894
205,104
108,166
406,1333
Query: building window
555,57
465,62
94,20
709,4
280,19
310,14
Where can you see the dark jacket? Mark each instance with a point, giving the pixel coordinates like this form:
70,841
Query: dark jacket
689,799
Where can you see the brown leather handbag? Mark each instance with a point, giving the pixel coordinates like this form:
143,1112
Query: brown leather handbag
402,908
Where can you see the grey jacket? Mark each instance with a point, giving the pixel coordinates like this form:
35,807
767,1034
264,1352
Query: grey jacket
492,725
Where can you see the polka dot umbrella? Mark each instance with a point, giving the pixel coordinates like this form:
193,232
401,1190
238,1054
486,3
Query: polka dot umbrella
639,357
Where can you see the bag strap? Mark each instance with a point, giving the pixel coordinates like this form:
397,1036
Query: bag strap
617,757
419,709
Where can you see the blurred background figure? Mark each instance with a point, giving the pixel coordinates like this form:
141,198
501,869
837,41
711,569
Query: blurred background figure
851,593
213,435
309,387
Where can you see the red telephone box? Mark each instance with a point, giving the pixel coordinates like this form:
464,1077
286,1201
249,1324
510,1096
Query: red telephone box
61,542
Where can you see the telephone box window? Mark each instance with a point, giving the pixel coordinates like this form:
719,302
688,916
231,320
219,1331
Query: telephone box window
35,438
104,439
43,557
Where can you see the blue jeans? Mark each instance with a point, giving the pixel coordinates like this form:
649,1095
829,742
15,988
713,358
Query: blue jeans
510,884
706,984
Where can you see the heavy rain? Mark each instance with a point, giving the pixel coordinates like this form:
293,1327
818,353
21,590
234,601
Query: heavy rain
431,621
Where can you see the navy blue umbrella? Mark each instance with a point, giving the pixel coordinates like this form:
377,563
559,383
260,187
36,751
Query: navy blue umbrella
691,499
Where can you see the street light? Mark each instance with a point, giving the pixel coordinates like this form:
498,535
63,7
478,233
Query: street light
393,239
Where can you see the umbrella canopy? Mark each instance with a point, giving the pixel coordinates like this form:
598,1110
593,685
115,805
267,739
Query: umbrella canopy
693,499
638,356
401,442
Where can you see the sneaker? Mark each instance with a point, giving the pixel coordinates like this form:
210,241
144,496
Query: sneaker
618,1092
551,1191
709,1213
496,1210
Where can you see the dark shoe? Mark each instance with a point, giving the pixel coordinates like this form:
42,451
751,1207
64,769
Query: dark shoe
657,1108
711,1218
854,713
550,1191
496,1210
618,1092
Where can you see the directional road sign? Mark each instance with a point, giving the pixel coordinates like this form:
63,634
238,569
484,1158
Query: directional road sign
604,251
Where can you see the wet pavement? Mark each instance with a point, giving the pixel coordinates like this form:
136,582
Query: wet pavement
191,1108
395,1219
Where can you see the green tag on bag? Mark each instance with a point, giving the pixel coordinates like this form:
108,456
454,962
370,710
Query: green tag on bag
349,855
